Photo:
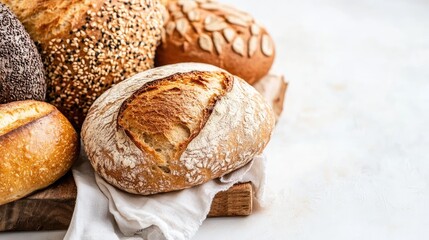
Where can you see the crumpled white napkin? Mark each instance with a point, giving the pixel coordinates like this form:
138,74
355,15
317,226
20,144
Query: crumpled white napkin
104,212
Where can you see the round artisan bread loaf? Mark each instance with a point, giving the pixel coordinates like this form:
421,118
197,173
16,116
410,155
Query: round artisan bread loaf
175,127
38,146
215,33
88,45
21,69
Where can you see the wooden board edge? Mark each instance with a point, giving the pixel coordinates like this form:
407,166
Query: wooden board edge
36,214
236,201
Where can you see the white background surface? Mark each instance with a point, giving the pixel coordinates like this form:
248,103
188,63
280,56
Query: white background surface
349,159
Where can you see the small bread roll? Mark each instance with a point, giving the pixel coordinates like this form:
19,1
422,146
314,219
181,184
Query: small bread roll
175,127
21,68
88,45
218,34
38,146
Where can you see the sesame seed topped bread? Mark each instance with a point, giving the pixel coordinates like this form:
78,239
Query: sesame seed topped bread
38,146
175,127
88,45
21,68
215,33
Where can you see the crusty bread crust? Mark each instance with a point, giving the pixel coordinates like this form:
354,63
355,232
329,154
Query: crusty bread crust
45,19
38,146
205,31
153,153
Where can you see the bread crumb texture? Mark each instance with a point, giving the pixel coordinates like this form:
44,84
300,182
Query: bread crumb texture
165,115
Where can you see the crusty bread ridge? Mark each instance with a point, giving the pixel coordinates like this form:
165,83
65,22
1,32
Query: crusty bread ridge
38,146
87,46
220,123
173,107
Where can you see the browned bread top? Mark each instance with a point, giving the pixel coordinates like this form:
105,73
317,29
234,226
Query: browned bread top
45,19
218,34
17,114
174,109
174,127
38,146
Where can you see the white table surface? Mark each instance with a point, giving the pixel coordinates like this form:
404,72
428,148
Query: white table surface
350,157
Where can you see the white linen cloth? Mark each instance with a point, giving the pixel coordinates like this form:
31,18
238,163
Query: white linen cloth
105,212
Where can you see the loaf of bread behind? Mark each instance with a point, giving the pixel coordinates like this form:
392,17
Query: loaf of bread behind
88,45
37,146
215,33
174,127
21,69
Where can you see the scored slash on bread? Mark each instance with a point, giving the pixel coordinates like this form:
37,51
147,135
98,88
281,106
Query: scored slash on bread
238,127
172,124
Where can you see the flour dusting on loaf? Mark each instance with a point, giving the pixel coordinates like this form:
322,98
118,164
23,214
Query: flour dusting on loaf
238,126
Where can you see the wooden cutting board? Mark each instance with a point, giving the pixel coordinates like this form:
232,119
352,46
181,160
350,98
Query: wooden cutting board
52,208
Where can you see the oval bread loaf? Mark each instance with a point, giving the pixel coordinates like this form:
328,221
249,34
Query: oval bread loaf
218,34
21,68
37,146
175,127
88,45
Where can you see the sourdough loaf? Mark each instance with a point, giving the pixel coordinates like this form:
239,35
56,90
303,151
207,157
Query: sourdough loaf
174,127
218,34
38,146
88,45
21,69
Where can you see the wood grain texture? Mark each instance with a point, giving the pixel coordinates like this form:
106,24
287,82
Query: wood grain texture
49,209
52,208
236,201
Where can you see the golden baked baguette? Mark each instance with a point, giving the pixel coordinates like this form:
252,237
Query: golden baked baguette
37,146
88,45
175,127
